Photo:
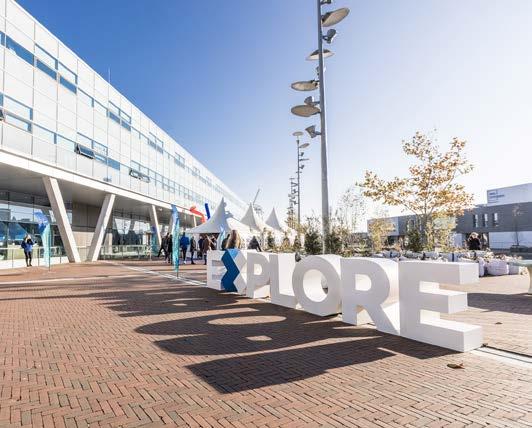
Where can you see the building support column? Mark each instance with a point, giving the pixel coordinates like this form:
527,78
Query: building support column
101,227
155,225
58,208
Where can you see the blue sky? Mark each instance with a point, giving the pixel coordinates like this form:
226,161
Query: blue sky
216,74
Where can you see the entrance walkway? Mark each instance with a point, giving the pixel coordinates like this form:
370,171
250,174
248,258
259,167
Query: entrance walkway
128,345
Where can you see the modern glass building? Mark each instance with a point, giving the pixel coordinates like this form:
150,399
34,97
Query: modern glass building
75,148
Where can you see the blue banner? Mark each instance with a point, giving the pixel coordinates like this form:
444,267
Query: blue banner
154,241
46,236
175,238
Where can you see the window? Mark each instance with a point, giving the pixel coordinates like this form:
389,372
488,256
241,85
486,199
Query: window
85,98
475,220
45,69
495,218
126,125
113,164
99,108
18,108
2,38
99,148
70,86
18,50
100,158
113,116
44,134
114,109
86,141
19,123
135,165
485,219
65,143
85,151
67,73
45,57
125,116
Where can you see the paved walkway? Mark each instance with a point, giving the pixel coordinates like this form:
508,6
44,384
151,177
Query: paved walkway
111,345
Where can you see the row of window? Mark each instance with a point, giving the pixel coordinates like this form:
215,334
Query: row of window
485,220
56,70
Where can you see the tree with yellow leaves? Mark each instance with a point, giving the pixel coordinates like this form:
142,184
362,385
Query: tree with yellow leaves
431,191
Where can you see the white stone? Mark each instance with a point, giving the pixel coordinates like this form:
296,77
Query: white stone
258,275
215,269
281,290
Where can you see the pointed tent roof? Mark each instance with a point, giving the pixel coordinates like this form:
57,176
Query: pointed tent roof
220,220
252,220
274,223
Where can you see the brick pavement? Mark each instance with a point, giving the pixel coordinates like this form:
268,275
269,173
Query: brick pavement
120,347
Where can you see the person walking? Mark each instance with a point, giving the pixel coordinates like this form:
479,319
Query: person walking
234,241
206,246
193,247
254,244
27,245
169,248
200,247
163,246
183,244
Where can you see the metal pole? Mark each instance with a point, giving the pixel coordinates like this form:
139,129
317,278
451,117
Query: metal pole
324,173
298,186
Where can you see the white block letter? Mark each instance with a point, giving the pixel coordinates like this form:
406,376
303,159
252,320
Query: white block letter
258,271
308,286
281,290
370,292
215,269
421,302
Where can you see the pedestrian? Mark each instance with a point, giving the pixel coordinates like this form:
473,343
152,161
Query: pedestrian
224,242
163,246
234,241
254,244
183,244
473,243
200,247
213,241
193,247
27,245
206,246
169,249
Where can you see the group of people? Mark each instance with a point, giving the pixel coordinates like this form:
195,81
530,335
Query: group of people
198,250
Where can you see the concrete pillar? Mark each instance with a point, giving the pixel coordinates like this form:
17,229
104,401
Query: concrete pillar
101,227
58,208
155,224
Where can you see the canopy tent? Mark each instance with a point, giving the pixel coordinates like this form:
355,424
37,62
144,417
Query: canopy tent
254,222
221,220
274,223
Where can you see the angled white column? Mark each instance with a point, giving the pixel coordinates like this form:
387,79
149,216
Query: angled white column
155,224
58,208
101,227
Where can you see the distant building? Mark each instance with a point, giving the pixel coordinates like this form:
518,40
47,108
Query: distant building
505,221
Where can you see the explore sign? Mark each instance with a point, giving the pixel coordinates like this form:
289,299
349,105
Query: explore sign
400,298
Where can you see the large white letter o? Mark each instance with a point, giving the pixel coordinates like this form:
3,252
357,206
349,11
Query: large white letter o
308,288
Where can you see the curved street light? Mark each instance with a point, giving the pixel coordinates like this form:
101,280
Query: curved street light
305,85
334,17
305,110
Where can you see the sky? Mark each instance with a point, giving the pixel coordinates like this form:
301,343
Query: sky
216,76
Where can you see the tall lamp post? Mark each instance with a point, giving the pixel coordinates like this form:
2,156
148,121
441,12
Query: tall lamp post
311,107
300,166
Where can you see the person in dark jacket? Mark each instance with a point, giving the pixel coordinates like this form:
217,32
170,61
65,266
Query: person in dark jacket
169,249
193,247
27,245
206,246
183,244
163,246
254,244
473,243
200,247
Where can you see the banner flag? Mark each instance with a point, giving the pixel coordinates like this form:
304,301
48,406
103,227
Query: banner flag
175,238
220,239
46,236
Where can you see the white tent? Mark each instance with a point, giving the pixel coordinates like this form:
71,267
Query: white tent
274,223
220,220
253,221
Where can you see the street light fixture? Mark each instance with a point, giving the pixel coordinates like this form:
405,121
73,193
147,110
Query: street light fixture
309,101
305,85
326,19
305,110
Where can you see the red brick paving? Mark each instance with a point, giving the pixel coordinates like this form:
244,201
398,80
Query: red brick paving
127,348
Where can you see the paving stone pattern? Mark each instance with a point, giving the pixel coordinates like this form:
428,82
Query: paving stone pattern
111,345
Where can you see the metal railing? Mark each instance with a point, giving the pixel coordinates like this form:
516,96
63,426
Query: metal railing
114,252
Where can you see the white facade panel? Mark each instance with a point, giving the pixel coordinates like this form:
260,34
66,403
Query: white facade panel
46,41
66,117
3,7
45,84
19,36
68,58
19,69
44,121
20,19
18,90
